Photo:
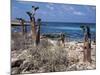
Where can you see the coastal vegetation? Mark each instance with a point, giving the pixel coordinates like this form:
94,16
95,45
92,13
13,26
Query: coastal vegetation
33,52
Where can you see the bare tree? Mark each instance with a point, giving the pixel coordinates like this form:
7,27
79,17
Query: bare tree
22,21
62,39
87,43
38,31
30,15
32,22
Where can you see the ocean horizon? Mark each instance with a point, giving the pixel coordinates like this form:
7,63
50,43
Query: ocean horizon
71,30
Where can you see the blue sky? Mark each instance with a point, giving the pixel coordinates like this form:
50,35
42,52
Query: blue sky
51,12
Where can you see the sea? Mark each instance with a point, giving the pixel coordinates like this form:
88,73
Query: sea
71,30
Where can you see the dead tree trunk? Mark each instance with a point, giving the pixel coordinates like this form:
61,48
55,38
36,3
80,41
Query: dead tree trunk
23,27
32,22
38,31
63,39
22,21
87,45
33,28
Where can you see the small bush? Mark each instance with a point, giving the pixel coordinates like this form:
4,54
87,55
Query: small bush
43,59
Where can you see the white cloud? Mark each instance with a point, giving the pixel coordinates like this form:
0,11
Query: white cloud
50,7
78,13
72,10
67,8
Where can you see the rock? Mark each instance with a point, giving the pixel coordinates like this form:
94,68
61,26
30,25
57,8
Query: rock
14,71
17,63
72,67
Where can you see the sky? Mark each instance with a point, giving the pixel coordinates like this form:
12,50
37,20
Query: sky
52,12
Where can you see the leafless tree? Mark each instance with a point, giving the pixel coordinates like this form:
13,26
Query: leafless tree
38,31
22,21
32,22
87,43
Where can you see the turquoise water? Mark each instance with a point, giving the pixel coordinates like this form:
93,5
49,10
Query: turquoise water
72,30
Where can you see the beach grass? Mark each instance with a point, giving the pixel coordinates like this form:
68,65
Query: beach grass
48,56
